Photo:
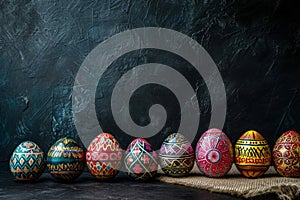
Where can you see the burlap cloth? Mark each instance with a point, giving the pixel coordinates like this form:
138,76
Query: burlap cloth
235,184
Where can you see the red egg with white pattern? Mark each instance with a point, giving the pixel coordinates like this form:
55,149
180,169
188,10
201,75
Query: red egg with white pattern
104,156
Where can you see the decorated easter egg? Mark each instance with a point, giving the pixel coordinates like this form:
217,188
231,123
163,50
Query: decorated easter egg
286,154
65,160
176,155
252,154
27,162
104,156
214,153
140,160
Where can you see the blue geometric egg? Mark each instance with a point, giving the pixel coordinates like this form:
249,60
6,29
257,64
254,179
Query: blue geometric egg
27,162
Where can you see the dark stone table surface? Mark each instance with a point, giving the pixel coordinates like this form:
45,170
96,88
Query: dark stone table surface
87,187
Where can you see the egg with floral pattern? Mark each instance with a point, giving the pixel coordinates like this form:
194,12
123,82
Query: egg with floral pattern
252,154
104,156
176,155
27,162
286,154
65,160
140,160
214,153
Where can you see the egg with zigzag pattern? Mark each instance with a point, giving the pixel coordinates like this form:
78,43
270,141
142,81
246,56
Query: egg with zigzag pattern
27,162
252,154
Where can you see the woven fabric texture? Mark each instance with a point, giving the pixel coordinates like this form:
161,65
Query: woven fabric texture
235,184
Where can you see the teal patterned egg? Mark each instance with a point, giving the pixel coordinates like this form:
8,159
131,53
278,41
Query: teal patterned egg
27,162
65,160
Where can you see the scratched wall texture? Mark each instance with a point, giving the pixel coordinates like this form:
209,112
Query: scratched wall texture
255,44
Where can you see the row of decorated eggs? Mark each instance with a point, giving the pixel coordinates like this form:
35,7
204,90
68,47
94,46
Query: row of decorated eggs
214,156
65,160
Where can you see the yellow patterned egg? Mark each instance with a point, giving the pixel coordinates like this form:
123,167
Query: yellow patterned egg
252,154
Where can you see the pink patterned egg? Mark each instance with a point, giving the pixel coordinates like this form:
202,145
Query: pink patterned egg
104,156
214,153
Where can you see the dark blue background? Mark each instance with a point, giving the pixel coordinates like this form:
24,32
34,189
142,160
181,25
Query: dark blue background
255,44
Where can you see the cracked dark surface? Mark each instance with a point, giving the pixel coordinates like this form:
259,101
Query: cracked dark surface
87,187
256,46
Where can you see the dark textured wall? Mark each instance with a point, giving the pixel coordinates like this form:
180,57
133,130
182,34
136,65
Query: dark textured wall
255,44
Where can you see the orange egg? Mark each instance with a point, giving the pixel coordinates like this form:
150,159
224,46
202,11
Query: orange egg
252,154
